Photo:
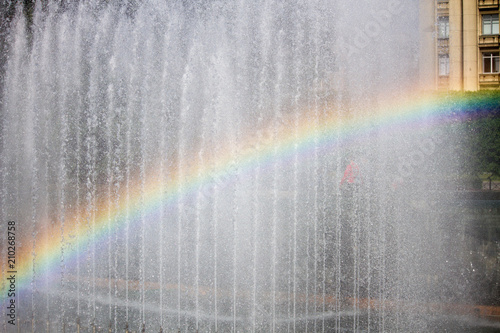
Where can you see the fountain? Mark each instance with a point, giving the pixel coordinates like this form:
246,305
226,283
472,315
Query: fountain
179,166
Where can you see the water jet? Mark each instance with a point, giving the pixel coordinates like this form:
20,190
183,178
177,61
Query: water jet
178,166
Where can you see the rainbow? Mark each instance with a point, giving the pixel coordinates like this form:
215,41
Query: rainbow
315,129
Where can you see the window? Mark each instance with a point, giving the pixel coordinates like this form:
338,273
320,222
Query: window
490,24
444,65
491,62
443,27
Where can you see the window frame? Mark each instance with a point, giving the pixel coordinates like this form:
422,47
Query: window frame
444,65
443,23
488,21
494,62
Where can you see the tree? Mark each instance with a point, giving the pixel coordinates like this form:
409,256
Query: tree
482,131
485,144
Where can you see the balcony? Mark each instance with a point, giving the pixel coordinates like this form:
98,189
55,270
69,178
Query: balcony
443,83
443,7
489,80
443,45
487,4
488,41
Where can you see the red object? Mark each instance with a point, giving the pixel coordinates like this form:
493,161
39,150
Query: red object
350,173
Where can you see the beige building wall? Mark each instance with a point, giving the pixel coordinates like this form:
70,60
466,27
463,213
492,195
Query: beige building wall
466,45
470,50
427,56
487,44
456,39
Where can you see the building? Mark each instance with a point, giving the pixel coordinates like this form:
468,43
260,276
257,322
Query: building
459,44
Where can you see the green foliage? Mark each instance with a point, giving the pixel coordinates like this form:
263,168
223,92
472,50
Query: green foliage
485,141
479,129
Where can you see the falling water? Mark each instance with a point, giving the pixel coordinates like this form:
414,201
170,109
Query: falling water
158,147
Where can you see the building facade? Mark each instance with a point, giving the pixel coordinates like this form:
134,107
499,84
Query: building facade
459,45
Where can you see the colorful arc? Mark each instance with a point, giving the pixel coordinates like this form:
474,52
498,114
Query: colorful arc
310,134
